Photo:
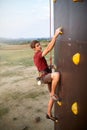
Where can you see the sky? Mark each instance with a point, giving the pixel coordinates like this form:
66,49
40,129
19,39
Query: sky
25,18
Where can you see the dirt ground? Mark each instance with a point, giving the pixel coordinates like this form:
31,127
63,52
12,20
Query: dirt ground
23,104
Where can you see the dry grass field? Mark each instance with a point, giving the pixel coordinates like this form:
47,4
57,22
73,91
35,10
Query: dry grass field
23,104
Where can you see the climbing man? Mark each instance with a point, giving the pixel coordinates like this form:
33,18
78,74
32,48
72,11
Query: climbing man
48,77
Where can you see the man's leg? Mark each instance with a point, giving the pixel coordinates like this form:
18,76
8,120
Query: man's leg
55,79
49,87
49,112
50,105
52,80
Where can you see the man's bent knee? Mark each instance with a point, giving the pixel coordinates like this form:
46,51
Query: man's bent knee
55,75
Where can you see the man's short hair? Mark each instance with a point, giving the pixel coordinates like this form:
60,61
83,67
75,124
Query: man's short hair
33,43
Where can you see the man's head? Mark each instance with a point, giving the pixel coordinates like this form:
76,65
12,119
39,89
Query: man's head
35,45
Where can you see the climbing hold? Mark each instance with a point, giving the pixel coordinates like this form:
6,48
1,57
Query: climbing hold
77,0
74,108
76,58
59,103
61,32
54,1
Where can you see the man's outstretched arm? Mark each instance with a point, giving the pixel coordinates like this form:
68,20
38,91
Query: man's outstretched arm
52,43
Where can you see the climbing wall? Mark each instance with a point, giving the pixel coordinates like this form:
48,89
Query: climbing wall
70,57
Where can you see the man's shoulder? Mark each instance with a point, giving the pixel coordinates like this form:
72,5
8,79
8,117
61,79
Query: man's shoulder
38,54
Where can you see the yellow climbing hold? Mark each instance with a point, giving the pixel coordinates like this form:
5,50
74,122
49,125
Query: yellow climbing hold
77,0
54,0
75,108
76,58
61,32
59,103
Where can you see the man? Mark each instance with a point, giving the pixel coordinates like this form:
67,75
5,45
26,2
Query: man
46,76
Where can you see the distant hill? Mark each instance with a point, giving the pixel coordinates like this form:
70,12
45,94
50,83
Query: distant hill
20,40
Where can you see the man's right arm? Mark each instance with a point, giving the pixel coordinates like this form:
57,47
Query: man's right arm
52,43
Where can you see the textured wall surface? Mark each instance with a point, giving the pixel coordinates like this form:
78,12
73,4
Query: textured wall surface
72,16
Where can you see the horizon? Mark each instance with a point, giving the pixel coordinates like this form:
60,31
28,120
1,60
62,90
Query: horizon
1,38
